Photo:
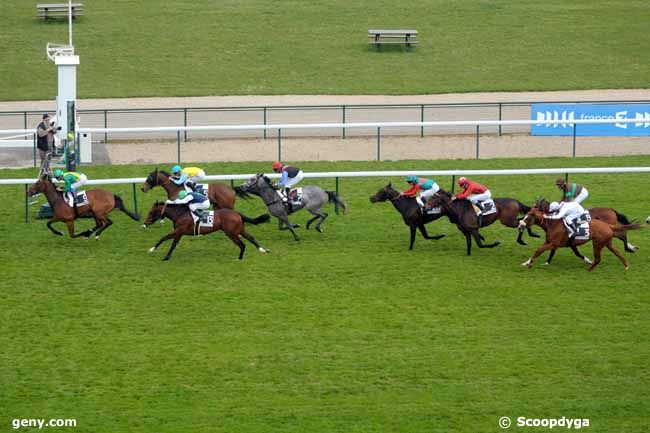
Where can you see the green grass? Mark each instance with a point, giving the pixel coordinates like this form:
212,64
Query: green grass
206,47
345,331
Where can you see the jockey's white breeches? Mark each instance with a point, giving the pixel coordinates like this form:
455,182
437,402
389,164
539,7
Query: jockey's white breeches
200,175
425,194
203,205
82,180
582,196
475,198
294,180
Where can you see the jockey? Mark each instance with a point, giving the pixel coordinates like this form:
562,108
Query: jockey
572,192
196,201
290,177
569,211
426,187
71,182
474,192
188,175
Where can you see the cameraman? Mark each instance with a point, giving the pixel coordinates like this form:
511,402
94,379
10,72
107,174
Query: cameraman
45,138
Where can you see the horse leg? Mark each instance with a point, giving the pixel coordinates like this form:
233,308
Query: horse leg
617,254
52,229
628,246
425,235
531,233
173,247
550,257
253,241
412,237
598,248
285,220
70,224
107,223
520,239
479,240
547,246
242,247
163,239
311,220
468,240
323,217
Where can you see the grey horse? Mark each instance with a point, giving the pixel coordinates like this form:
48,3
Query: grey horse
313,199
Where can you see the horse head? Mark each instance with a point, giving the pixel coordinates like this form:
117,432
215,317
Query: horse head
155,213
385,193
151,181
532,217
542,204
40,185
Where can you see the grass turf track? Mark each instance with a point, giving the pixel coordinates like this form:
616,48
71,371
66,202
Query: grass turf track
232,47
345,331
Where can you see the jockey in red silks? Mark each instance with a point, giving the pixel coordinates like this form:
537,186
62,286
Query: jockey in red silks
474,192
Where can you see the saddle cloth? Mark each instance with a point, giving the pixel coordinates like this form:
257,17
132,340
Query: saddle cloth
488,207
206,221
202,188
295,196
582,222
434,210
82,199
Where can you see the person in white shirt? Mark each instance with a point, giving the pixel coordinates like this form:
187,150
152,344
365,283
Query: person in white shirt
569,211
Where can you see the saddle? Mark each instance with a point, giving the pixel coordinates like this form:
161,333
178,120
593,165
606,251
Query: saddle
205,220
580,229
295,196
202,188
81,199
486,207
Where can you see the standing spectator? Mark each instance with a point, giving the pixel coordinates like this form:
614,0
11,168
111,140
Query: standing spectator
45,138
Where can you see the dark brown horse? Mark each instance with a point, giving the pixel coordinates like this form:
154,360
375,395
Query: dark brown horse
461,213
100,204
221,196
224,219
410,211
601,235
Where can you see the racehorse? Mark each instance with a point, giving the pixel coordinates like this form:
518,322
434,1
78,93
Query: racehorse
601,235
605,214
227,220
221,196
410,211
100,204
313,199
461,213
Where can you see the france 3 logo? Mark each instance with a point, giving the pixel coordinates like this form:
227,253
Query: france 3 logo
557,119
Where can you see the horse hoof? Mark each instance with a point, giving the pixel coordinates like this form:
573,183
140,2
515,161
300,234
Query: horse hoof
527,263
144,226
546,263
151,250
522,243
165,259
588,261
96,238
627,267
295,226
319,230
263,250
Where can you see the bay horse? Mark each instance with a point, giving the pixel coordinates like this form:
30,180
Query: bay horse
228,220
601,235
410,211
221,196
461,212
313,199
100,204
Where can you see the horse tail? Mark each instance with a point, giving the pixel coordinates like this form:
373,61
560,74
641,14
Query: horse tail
255,221
622,219
241,193
119,204
333,198
619,230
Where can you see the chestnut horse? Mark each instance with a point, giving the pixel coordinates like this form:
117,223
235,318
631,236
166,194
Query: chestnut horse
601,235
224,219
605,214
100,204
461,213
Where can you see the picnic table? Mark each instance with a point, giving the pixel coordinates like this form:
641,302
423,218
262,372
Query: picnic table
58,10
407,37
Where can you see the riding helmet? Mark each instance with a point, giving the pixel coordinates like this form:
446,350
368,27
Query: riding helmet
462,181
176,169
276,165
58,172
560,182
554,206
182,194
411,178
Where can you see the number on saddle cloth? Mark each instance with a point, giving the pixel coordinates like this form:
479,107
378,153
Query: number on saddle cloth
487,207
201,188
81,199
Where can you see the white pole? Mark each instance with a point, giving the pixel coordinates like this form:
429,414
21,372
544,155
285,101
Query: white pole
70,23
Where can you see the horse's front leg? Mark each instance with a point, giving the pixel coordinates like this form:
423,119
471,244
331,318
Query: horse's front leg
547,246
52,229
70,225
173,247
479,240
163,239
412,237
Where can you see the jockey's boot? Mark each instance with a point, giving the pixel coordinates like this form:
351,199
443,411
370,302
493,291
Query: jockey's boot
191,184
420,203
287,191
72,198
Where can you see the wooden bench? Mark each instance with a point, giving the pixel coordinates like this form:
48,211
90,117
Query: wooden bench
380,37
58,10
